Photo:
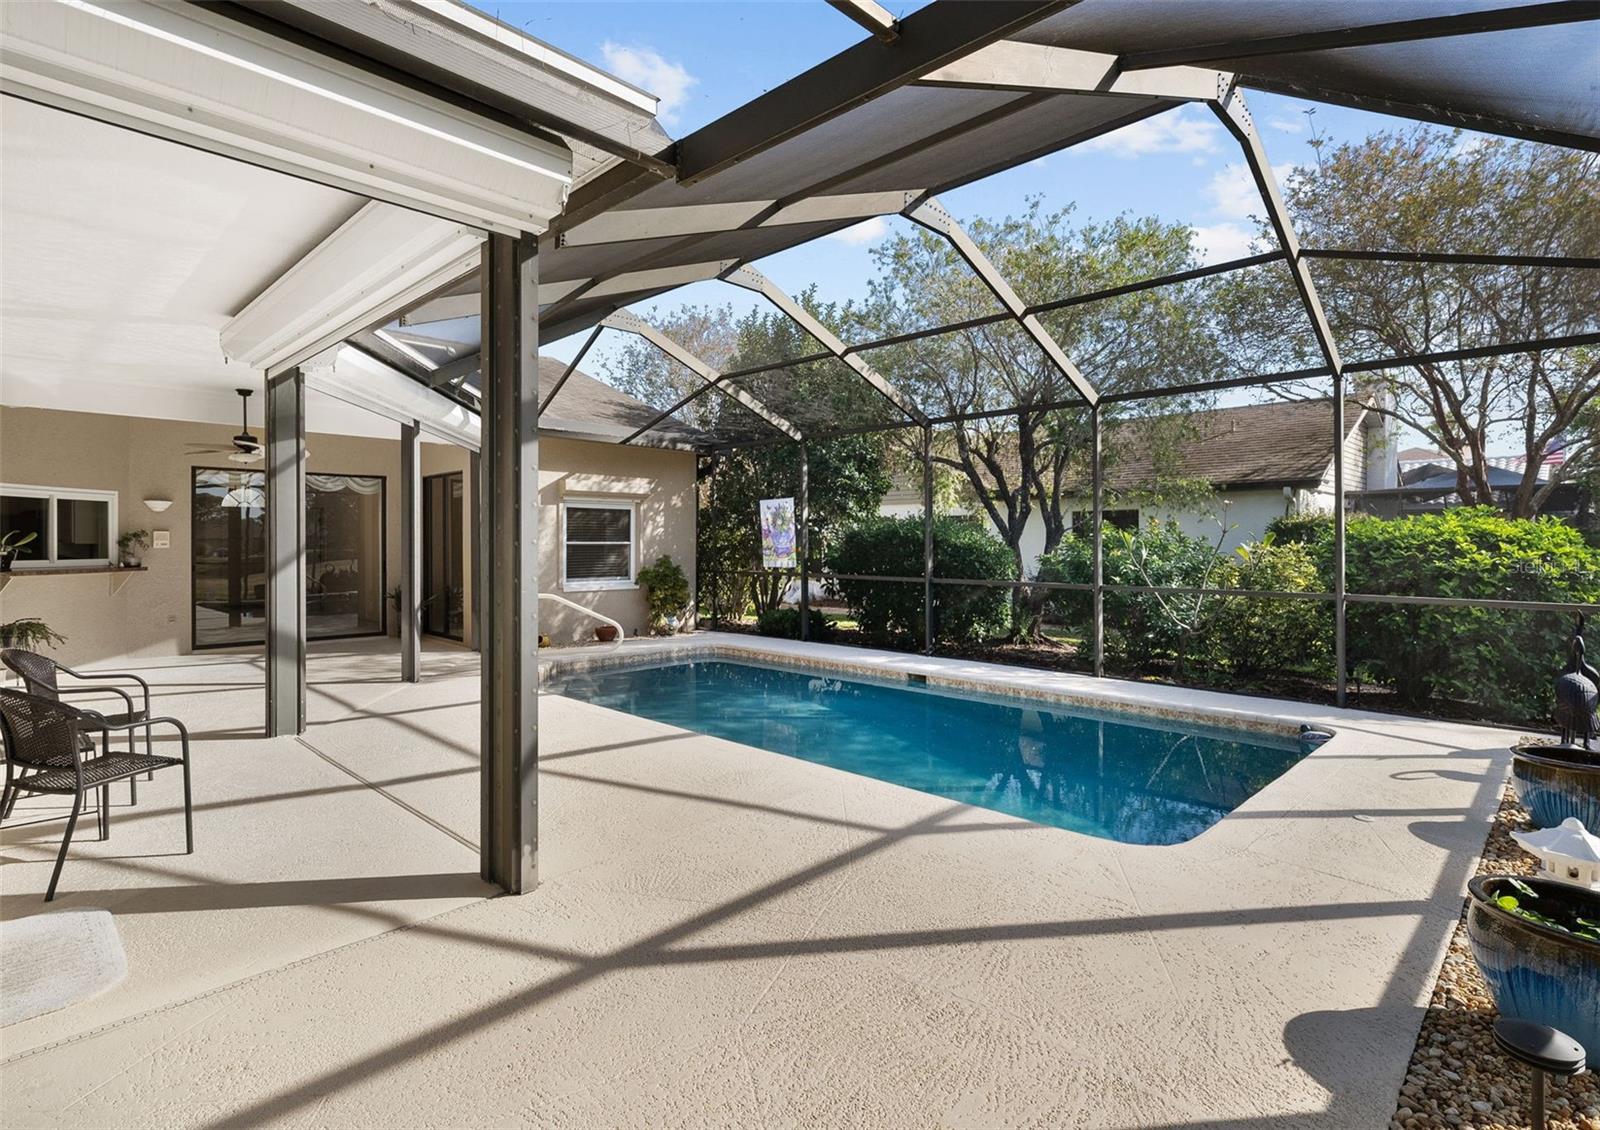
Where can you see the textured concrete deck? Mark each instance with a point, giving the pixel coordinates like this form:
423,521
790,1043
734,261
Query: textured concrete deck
725,936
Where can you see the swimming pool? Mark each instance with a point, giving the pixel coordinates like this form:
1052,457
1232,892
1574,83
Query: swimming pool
1115,777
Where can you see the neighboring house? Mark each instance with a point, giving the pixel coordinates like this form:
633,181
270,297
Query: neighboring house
1262,461
605,511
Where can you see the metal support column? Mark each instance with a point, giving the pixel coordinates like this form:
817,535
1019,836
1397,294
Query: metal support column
927,539
507,563
1097,475
1340,659
286,554
802,542
410,610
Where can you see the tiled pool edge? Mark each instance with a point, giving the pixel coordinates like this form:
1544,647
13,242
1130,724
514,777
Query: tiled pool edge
956,675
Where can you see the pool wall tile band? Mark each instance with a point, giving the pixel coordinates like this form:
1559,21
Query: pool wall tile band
1001,683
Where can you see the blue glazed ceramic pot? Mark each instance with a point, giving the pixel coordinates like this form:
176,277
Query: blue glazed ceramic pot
1534,972
1555,782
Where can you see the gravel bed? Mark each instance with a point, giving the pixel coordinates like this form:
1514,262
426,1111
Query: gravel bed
1458,1079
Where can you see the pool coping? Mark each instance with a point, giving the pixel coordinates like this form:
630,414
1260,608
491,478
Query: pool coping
1274,717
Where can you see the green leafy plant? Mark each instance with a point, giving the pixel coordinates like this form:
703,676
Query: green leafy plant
784,623
893,547
1256,636
30,634
1559,919
13,542
132,544
667,589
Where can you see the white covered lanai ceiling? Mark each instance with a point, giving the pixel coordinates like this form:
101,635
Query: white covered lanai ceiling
125,255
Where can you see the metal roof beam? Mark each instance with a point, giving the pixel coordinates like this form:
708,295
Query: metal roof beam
452,372
751,279
544,405
937,34
1370,35
931,215
871,15
631,323
1009,65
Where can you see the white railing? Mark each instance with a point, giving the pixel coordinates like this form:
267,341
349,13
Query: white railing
622,633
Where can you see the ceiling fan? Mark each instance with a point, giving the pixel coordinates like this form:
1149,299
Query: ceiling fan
245,448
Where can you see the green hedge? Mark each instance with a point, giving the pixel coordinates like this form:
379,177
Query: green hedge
784,623
893,547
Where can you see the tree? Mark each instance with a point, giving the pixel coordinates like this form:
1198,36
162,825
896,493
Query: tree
1436,190
847,479
1023,458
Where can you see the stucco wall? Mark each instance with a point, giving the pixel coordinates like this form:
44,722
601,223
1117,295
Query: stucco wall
146,613
105,616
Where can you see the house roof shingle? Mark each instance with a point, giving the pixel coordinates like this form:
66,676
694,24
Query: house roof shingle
588,407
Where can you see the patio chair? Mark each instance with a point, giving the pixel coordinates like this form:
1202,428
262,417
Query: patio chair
45,737
39,674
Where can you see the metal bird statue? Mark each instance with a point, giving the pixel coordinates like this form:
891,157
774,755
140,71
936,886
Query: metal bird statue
1578,694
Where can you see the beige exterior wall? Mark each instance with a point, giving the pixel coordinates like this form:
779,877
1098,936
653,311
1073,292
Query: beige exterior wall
659,483
144,614
148,613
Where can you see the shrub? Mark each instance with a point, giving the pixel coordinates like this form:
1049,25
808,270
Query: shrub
784,623
1301,529
1256,635
893,547
667,587
1140,627
1503,661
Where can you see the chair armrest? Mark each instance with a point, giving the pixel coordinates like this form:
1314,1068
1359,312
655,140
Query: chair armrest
124,695
98,722
115,675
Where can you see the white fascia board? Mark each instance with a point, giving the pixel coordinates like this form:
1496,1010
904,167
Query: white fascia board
195,76
380,260
362,380
703,219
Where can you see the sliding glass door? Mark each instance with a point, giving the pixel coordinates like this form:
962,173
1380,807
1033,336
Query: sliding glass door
344,556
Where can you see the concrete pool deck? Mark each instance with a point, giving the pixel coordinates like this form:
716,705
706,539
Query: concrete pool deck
726,936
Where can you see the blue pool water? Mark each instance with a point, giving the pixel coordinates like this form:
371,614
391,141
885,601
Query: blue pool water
1113,777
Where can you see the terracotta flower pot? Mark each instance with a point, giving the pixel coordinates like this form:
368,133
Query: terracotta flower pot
1555,782
606,633
1536,972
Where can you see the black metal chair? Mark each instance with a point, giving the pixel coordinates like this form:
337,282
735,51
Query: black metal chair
44,737
40,676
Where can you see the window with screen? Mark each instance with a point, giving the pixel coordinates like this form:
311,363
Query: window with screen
598,548
69,527
1083,520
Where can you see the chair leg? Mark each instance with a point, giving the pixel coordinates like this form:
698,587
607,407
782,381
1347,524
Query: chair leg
61,859
188,809
105,812
5,801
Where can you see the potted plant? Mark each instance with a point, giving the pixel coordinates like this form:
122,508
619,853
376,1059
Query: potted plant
30,633
1555,782
667,589
131,547
605,633
1537,942
11,543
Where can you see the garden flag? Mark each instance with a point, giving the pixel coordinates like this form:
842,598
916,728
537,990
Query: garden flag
777,533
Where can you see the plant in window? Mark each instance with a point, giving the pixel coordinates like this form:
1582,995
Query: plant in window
12,543
30,633
667,588
131,547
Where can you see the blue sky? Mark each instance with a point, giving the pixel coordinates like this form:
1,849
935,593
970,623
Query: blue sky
704,59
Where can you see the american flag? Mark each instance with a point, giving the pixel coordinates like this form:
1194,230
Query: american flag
1555,454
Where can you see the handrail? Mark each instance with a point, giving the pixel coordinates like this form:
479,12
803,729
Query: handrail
622,633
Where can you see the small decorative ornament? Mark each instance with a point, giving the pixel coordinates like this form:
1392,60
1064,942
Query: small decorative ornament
1568,852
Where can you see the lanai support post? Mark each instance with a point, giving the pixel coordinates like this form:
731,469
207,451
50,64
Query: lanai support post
507,563
803,543
410,610
927,539
1097,475
474,545
286,554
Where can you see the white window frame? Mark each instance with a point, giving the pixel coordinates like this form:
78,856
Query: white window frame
52,495
569,584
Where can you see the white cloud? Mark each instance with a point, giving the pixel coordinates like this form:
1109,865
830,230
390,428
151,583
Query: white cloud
1296,124
867,231
1179,131
1220,242
646,69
